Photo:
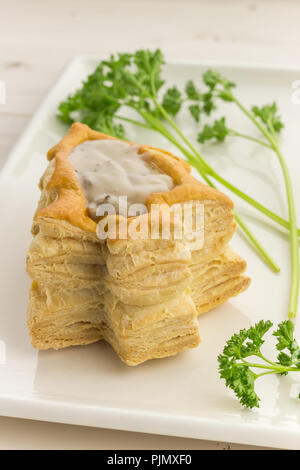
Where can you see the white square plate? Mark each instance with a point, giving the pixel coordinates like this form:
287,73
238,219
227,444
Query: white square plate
183,395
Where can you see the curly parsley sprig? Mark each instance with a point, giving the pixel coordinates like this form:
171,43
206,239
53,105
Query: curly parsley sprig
237,366
267,120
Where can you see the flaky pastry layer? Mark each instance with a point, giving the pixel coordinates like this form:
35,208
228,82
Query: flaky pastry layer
141,296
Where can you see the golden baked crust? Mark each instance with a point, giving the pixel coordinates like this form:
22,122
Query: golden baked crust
141,296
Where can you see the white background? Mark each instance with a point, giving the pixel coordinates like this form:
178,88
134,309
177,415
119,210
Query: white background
38,38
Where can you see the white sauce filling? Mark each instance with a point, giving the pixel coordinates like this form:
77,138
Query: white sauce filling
108,169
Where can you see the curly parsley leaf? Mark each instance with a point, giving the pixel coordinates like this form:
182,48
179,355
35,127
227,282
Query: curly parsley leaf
202,102
238,372
192,92
286,341
195,111
208,103
268,114
218,131
212,78
172,101
240,379
124,80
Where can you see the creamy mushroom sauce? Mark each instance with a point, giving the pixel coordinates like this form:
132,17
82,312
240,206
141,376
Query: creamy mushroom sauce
108,169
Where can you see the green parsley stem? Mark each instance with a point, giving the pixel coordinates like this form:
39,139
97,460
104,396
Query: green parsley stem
257,376
261,250
275,369
265,359
133,121
294,247
248,137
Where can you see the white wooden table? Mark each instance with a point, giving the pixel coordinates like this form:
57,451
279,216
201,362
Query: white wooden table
38,38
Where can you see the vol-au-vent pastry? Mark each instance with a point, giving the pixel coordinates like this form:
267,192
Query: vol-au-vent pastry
139,290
